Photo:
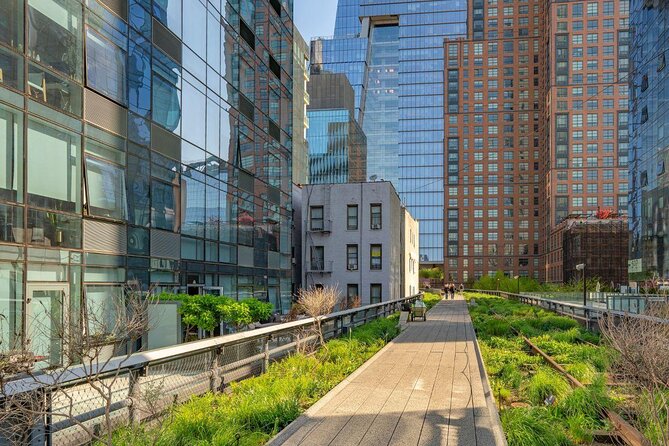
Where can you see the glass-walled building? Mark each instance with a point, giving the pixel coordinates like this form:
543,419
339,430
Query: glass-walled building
337,144
300,103
392,53
144,142
649,141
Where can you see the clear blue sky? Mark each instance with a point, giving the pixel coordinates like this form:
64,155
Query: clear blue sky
315,18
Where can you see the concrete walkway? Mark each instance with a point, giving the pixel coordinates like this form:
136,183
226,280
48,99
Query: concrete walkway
426,387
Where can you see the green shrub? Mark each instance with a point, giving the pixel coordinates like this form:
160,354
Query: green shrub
256,409
531,426
431,299
545,383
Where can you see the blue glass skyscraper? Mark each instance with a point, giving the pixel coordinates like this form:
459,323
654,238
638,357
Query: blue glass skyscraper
649,141
392,52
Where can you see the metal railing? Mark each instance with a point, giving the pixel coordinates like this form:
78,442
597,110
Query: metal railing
589,315
174,374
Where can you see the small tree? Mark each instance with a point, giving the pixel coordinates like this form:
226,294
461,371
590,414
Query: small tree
642,359
89,346
317,302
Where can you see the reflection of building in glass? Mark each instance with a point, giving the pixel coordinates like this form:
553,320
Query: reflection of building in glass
392,54
337,145
649,157
300,103
141,144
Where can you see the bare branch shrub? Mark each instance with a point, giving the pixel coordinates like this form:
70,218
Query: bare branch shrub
93,348
642,360
318,302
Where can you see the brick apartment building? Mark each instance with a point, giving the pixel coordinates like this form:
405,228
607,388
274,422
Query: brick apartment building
535,103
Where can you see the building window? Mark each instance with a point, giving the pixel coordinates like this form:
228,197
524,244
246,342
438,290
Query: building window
54,168
352,295
106,65
166,205
11,154
55,38
375,257
375,293
352,217
105,189
316,218
317,258
166,96
352,257
375,220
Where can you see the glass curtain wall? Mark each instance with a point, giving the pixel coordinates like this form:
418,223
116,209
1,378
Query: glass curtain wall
421,29
144,142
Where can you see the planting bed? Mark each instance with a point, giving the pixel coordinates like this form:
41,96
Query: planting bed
256,409
537,404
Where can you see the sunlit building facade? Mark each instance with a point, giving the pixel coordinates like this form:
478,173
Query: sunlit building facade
337,144
141,142
392,53
300,102
649,144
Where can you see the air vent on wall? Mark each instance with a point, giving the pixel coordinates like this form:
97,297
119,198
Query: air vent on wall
166,41
104,237
118,7
104,113
165,142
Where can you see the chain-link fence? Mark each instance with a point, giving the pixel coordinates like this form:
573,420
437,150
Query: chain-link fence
75,406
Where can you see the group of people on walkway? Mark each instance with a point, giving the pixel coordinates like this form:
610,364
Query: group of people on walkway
450,288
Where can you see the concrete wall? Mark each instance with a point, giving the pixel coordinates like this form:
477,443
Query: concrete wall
410,243
335,198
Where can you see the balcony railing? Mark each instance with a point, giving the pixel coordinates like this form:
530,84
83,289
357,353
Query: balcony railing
320,266
324,226
180,372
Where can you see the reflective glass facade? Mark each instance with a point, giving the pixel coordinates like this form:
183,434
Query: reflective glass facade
363,50
337,147
300,103
337,144
142,141
649,144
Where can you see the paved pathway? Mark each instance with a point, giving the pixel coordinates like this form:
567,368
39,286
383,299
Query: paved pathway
424,388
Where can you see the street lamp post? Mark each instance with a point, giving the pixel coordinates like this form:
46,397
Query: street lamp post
518,284
581,267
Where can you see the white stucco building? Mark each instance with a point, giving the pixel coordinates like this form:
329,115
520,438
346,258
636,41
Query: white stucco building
358,237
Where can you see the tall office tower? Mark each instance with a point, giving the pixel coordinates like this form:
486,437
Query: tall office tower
392,53
337,144
300,103
144,142
584,128
491,144
649,132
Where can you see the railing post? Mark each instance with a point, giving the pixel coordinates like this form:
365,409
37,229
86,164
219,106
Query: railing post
48,434
215,367
265,363
134,393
